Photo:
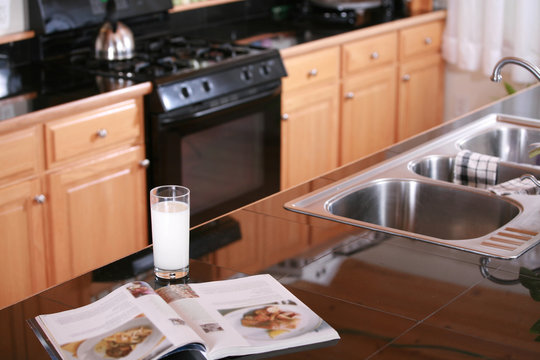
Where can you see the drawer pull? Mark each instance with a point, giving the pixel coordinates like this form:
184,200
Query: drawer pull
285,116
374,55
40,199
102,133
313,72
428,40
144,163
349,95
406,77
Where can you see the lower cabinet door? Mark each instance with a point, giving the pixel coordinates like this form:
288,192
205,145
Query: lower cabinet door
310,131
98,212
368,121
22,241
421,92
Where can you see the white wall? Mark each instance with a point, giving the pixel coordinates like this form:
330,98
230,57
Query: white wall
466,91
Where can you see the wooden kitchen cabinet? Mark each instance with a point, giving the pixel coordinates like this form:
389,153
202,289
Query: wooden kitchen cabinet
390,86
310,129
22,231
98,212
368,118
421,79
92,132
310,116
73,191
96,187
420,95
22,241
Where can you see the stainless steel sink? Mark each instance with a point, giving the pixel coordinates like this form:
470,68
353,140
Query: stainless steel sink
412,195
505,142
442,168
424,208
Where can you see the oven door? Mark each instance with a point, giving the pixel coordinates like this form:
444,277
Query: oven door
227,157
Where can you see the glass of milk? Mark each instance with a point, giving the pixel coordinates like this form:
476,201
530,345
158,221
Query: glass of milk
169,208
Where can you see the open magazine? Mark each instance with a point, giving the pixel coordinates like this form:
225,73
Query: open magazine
250,315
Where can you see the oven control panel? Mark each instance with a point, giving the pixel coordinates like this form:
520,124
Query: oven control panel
221,85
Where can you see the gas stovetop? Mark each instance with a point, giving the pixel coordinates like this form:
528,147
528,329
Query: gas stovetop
187,71
165,56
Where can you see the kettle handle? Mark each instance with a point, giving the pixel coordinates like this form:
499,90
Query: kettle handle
110,15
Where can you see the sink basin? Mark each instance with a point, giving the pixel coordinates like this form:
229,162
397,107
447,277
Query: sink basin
424,208
507,143
412,195
442,168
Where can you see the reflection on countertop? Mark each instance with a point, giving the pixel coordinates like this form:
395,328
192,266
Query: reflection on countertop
388,297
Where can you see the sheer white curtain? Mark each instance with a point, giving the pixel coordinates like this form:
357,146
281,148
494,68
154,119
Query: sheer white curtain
480,32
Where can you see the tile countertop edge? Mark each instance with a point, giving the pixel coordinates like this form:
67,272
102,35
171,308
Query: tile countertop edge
362,33
84,104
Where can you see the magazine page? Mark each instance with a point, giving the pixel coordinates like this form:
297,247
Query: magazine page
132,322
246,315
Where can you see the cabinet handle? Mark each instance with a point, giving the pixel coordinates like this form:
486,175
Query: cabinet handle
349,95
285,116
374,55
102,133
428,40
144,163
406,77
313,72
40,199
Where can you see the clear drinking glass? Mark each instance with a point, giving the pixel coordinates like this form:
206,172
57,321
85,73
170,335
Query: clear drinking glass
169,208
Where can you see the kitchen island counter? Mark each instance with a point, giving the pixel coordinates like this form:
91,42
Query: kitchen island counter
388,297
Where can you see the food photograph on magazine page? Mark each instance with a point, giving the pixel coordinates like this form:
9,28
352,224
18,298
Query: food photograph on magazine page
136,339
272,321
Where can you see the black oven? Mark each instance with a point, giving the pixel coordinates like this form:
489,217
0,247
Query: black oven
228,156
218,134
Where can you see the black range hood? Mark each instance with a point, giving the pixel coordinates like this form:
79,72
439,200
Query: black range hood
51,16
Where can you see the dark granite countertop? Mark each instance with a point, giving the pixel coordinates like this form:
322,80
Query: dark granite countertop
388,297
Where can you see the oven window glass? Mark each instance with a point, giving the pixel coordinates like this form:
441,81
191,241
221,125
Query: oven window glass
223,162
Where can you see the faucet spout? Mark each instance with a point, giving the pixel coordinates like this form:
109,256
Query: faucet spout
532,178
496,75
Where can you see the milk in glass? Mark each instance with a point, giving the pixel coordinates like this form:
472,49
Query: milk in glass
170,234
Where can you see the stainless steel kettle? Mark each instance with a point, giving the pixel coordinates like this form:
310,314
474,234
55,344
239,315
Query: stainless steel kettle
115,40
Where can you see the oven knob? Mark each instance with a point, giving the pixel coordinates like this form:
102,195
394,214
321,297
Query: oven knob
206,86
265,70
246,75
185,91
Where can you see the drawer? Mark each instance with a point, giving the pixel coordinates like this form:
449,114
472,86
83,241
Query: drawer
92,131
370,52
314,67
20,153
421,39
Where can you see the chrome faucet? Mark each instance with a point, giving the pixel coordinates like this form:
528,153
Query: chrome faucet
496,75
533,69
532,178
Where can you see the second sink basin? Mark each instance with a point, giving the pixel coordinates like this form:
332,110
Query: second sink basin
440,167
423,208
507,143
